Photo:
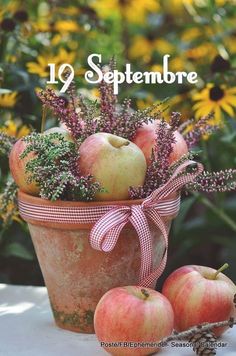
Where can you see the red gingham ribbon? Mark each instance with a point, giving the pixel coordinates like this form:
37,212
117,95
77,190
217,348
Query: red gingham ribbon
106,231
109,220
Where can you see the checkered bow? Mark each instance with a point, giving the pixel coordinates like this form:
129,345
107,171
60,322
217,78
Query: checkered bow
155,207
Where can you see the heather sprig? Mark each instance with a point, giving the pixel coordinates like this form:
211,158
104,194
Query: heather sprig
159,167
121,121
6,143
84,119
108,101
54,169
211,182
186,157
8,203
66,112
197,129
158,171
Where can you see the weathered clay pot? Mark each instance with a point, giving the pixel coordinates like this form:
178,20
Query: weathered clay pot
75,274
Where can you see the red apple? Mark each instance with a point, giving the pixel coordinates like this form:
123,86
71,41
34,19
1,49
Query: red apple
199,294
114,162
132,314
145,138
18,166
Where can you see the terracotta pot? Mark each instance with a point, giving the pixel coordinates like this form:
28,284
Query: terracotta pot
75,274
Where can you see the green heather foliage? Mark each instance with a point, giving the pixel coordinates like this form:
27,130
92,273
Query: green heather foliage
54,168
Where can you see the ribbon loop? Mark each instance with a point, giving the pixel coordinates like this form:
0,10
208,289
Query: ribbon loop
106,231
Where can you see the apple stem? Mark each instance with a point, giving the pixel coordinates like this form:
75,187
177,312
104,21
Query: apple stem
43,122
145,293
221,269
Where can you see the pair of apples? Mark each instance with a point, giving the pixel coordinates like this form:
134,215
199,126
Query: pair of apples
116,163
191,295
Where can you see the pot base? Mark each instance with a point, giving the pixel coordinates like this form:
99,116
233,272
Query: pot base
77,322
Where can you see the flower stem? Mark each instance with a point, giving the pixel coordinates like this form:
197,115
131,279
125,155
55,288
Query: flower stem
220,213
44,117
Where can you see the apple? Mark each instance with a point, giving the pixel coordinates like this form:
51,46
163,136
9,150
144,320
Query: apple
132,314
145,138
65,133
200,294
114,162
18,167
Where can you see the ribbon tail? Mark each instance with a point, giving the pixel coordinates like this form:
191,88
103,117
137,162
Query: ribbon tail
140,223
157,272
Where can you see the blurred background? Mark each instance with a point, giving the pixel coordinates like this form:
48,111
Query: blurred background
200,35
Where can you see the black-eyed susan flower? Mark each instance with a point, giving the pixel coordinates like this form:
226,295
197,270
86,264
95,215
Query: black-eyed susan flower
40,66
143,47
135,11
216,98
8,100
203,52
15,129
21,15
8,24
66,26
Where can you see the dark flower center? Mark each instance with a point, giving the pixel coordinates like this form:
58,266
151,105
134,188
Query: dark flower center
216,93
8,25
151,36
219,64
21,15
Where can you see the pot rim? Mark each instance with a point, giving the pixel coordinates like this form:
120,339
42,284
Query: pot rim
66,203
31,216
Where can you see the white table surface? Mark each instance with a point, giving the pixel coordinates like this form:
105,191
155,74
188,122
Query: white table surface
27,329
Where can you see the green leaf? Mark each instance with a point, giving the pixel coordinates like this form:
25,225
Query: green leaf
184,209
17,250
228,138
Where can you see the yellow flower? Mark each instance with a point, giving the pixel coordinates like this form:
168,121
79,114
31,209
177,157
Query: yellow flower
70,10
143,47
177,64
14,129
191,34
203,52
181,103
8,100
146,101
230,43
66,26
10,212
215,98
178,7
135,11
41,67
156,68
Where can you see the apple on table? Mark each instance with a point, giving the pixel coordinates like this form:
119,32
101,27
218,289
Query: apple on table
132,314
200,294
